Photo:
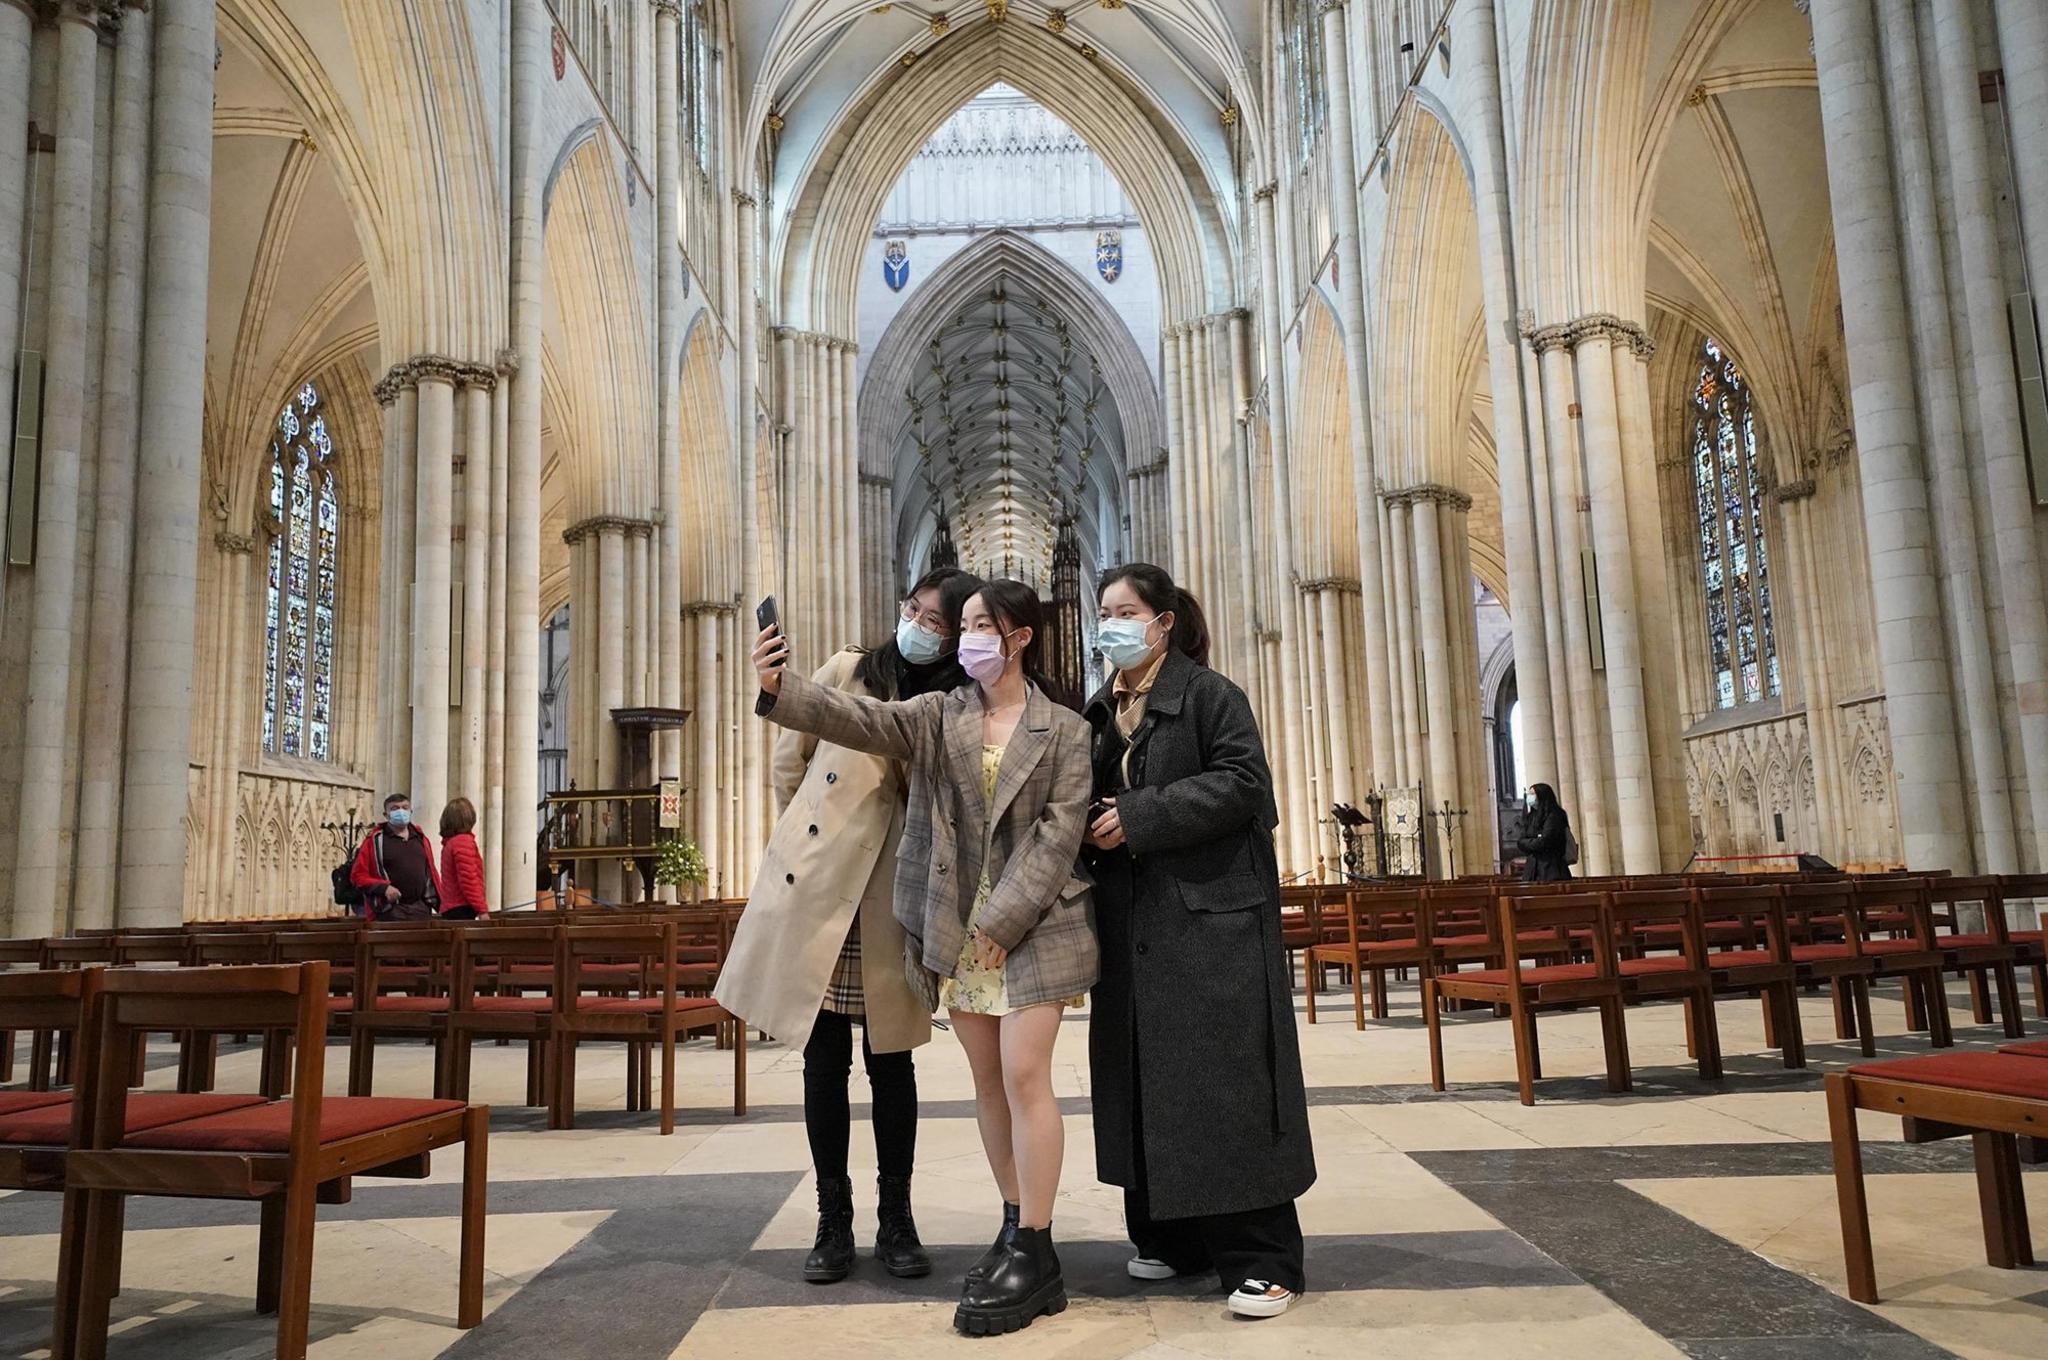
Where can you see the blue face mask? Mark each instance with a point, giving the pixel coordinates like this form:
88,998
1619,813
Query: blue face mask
919,648
399,816
1123,641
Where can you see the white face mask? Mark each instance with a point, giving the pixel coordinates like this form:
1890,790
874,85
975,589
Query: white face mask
1125,642
919,646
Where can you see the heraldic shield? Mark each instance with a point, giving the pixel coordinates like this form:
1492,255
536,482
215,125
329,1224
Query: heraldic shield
1109,255
896,265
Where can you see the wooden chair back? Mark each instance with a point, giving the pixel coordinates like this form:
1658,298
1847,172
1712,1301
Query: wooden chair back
1634,915
1947,896
379,948
131,951
1885,904
1580,914
480,945
81,951
221,948
1820,911
1755,910
49,999
651,945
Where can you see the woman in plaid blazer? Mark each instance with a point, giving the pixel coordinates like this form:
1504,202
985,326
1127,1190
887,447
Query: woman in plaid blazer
997,921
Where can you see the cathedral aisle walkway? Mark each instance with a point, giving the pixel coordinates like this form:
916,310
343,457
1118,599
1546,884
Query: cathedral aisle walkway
1681,1220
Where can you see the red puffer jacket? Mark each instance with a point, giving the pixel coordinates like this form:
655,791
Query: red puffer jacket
462,874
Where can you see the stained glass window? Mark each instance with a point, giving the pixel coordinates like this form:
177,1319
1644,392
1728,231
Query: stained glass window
300,600
700,86
1728,505
1305,59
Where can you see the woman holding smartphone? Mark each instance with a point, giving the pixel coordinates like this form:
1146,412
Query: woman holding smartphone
1195,1072
809,963
997,923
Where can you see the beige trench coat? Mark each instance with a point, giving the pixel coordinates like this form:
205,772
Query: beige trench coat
1039,906
833,851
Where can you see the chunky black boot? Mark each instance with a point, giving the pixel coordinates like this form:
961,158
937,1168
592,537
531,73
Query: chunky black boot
831,1259
1023,1284
980,1269
896,1244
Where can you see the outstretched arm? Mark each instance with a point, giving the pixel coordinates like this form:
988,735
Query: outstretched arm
896,730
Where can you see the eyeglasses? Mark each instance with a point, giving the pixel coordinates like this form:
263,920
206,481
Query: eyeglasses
930,619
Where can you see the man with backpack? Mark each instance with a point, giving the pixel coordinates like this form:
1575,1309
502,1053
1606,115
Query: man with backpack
394,871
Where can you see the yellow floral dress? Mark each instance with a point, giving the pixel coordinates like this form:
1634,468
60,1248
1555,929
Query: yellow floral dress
974,989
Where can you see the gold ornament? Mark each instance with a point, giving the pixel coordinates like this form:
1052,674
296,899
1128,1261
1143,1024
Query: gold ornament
1230,115
998,10
941,25
1056,21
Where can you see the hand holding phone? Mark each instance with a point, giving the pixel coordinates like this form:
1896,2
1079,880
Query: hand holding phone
771,648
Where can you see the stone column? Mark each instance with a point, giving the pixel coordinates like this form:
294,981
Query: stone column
1628,728
1316,776
611,595
1432,608
153,802
709,721
427,647
639,576
1169,348
751,785
476,545
1364,470
494,625
1477,73
1279,416
530,160
1589,815
392,766
1405,760
16,23
1343,779
668,156
106,683
2023,45
42,856
2000,436
1955,515
1918,701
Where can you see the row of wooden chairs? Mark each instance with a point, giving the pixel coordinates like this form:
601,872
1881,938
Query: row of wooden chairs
640,978
101,1142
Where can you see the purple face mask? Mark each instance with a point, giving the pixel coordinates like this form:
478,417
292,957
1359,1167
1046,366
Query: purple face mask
981,656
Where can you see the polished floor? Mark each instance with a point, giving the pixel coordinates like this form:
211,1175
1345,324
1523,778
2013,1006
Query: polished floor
1681,1220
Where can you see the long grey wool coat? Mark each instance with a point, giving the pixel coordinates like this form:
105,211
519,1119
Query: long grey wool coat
1191,1036
1039,907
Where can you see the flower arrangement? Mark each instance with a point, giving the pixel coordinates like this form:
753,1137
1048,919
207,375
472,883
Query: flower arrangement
679,862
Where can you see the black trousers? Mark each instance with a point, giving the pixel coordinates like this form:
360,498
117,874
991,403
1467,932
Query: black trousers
1251,1244
828,1120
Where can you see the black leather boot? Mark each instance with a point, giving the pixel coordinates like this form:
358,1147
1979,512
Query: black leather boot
979,1270
896,1244
831,1259
1023,1284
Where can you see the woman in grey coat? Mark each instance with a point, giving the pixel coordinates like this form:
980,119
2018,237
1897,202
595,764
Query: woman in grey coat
997,923
1200,1111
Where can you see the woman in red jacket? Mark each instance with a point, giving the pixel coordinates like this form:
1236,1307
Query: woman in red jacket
462,865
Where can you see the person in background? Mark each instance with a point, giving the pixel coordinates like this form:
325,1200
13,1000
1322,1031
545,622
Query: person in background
811,959
1195,1071
1546,837
996,920
394,868
462,865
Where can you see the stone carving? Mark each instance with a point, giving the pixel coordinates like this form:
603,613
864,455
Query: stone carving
1447,496
1594,325
1737,778
604,524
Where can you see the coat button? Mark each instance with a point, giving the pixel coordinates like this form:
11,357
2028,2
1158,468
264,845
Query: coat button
789,878
831,776
943,868
814,831
1142,948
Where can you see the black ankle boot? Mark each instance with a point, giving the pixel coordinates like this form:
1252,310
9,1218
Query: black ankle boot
1023,1284
896,1244
980,1269
831,1259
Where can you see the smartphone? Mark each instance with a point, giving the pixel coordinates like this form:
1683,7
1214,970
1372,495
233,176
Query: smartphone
766,615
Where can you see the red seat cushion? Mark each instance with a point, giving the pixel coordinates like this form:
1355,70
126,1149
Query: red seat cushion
267,1127
1663,963
51,1125
2027,936
2032,1048
1819,953
1892,947
1458,941
2004,1074
1531,977
1978,940
337,1004
410,1003
20,1102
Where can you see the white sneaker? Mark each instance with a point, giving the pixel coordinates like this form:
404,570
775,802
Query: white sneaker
1260,1299
1146,1268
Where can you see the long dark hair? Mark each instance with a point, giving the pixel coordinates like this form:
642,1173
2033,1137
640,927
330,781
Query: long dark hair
1015,606
1152,585
881,668
1546,797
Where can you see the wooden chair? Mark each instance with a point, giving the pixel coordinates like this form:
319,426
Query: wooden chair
15,954
1986,957
286,1155
1685,975
1996,1098
1756,960
1896,922
1526,991
413,953
477,1009
1827,947
1382,931
658,1015
2031,946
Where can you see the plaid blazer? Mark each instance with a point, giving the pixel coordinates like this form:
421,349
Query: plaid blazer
1039,905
